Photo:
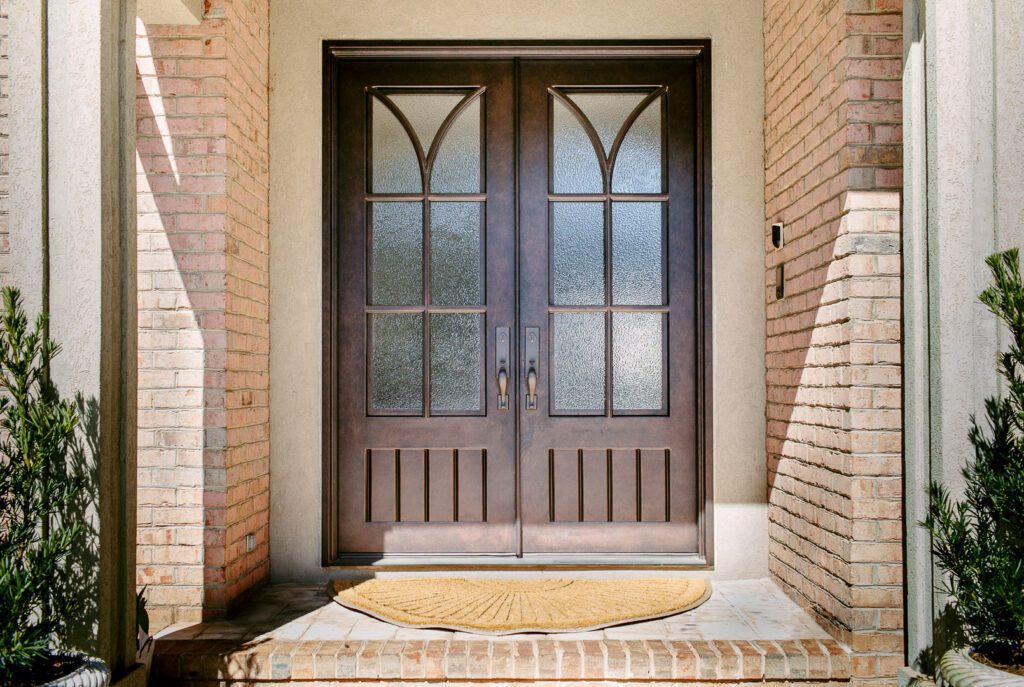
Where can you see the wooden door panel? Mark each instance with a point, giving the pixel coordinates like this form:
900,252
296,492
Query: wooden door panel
609,273
418,267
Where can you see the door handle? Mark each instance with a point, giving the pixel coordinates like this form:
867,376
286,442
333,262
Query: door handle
532,356
531,388
501,354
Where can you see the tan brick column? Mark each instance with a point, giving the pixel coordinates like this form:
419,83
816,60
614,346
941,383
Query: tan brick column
203,310
833,176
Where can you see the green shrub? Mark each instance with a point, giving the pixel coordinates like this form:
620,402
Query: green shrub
37,433
979,542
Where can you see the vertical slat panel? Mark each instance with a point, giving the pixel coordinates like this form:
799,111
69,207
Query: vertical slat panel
412,491
381,487
441,468
565,485
471,476
653,480
595,486
624,485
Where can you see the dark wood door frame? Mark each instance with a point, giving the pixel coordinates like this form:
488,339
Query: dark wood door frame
334,55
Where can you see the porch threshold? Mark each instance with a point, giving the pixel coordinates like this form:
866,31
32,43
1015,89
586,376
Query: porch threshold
749,631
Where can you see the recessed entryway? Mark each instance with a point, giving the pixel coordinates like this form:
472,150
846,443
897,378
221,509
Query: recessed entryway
516,271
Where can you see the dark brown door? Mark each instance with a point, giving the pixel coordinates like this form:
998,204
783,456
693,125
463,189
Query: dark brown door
515,319
609,284
425,268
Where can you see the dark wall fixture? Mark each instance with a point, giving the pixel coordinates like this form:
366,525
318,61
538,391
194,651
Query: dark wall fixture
778,239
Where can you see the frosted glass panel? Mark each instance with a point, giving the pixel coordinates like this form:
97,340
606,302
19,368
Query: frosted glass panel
455,253
607,112
426,112
640,162
637,254
637,377
396,261
395,165
578,368
577,253
396,361
457,165
575,166
455,362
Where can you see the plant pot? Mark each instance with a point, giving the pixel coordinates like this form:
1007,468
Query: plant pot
958,669
91,673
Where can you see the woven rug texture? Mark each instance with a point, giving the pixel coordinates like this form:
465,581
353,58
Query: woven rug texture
508,606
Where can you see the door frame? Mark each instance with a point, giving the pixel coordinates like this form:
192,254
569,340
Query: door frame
335,51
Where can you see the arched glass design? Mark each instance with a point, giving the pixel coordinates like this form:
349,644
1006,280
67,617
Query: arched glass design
607,254
457,160
607,112
425,248
639,166
393,160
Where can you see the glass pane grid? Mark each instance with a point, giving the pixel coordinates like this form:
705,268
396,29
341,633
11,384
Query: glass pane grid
425,263
578,363
638,365
395,244
608,305
396,363
456,253
456,363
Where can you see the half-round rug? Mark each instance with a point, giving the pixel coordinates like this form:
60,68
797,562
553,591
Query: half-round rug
494,606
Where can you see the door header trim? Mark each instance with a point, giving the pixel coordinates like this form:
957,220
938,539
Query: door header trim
594,49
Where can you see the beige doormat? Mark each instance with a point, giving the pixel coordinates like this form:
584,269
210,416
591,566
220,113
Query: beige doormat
501,606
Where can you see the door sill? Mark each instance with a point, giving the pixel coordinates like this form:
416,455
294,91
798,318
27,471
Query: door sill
438,562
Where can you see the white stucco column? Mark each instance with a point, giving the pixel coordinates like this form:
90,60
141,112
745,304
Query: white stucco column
964,184
75,165
27,145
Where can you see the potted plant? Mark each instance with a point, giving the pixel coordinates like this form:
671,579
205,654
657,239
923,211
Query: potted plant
37,438
978,542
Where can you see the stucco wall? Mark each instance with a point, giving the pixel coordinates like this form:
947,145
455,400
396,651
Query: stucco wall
5,246
963,200
297,28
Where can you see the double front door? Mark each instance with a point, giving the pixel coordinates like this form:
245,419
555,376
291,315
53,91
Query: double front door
514,312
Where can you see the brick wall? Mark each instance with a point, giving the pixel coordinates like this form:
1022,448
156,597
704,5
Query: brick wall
203,310
833,175
247,314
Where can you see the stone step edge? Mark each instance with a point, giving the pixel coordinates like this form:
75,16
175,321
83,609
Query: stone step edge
520,660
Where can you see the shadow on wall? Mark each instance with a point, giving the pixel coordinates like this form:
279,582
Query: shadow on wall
948,633
182,339
833,424
78,585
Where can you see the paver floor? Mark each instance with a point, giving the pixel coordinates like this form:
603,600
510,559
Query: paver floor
737,610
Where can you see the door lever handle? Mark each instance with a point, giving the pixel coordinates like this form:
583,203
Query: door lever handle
501,355
531,388
503,389
532,356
